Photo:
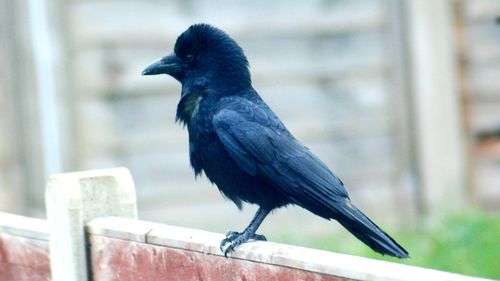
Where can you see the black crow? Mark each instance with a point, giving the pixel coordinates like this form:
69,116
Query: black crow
243,147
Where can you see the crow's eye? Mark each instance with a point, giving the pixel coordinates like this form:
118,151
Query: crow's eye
189,58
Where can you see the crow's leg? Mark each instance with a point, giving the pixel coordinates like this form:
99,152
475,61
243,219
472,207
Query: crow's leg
234,239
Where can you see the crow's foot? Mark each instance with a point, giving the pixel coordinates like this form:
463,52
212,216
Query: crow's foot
234,239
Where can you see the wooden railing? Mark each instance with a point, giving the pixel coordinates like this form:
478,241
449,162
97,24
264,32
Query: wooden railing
24,249
94,234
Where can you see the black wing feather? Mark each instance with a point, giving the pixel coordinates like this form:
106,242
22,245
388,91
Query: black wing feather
260,145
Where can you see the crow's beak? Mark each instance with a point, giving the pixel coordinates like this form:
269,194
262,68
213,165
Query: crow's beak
166,65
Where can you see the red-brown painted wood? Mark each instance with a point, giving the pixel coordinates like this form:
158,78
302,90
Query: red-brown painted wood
120,260
23,259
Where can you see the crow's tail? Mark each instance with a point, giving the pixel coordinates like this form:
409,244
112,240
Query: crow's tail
367,231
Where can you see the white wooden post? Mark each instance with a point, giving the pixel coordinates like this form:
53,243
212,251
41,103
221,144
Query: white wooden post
73,199
437,101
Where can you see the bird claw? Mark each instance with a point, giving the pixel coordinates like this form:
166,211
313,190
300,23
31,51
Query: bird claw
234,239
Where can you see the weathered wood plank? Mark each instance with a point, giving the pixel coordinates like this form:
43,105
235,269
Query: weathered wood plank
119,260
23,259
176,253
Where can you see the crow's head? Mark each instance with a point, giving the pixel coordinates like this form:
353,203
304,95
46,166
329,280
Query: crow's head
205,56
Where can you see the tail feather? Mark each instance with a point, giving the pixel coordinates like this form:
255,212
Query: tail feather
368,232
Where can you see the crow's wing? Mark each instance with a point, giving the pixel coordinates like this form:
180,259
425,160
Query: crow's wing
260,145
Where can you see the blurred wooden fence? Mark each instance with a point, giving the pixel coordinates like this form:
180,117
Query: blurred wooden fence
479,56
